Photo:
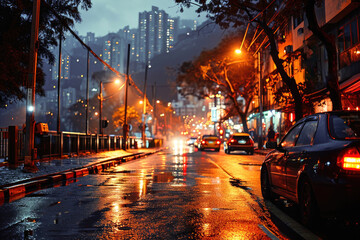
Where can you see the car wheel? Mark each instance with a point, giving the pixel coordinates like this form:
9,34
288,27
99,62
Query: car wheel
218,149
251,152
307,204
265,185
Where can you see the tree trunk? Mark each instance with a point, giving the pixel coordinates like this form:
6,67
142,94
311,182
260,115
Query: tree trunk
332,82
244,122
289,81
242,114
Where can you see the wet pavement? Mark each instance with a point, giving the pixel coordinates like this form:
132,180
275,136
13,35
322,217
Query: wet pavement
11,175
163,196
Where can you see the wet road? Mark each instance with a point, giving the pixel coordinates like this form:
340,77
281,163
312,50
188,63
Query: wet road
166,196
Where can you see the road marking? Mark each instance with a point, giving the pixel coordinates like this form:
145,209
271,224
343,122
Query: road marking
268,232
290,223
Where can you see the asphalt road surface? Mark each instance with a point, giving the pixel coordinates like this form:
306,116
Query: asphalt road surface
178,194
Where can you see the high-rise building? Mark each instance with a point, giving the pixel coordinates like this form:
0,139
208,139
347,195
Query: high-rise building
157,34
114,52
90,38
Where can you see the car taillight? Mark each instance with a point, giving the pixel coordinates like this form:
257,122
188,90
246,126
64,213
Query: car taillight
232,140
218,142
203,141
250,142
349,159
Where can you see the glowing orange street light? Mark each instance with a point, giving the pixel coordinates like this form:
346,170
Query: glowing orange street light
237,51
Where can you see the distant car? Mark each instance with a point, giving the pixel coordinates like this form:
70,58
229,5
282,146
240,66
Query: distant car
191,141
239,142
317,166
209,142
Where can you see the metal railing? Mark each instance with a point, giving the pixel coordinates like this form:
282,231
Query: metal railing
4,143
53,144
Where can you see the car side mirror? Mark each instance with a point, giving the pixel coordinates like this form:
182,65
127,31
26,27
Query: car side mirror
280,148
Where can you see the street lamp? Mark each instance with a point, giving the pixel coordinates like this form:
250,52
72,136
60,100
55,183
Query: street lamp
143,134
117,81
260,143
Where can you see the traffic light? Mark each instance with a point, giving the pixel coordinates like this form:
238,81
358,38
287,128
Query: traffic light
104,123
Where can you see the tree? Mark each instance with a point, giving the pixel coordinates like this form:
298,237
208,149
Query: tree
269,17
15,32
329,42
133,117
216,70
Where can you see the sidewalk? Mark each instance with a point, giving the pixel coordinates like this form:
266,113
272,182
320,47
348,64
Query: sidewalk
14,182
262,151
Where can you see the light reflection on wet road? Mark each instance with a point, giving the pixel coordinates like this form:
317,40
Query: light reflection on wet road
165,196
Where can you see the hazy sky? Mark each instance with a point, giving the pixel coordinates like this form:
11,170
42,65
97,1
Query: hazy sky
111,15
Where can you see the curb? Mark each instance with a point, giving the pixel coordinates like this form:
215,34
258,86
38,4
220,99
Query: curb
262,152
17,190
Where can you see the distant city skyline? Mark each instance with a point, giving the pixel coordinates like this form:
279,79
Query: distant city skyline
111,15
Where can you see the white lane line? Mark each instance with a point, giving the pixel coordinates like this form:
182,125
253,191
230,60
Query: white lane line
290,222
268,232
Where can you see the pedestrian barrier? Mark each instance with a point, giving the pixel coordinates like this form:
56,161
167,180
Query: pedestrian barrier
51,144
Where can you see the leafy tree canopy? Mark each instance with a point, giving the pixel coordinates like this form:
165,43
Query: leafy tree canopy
220,69
132,115
15,33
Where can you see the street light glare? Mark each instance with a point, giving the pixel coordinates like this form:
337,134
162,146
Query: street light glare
237,51
31,108
117,81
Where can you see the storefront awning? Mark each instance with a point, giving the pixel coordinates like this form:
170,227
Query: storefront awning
351,86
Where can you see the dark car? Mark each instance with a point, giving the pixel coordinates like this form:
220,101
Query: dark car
317,166
239,142
209,142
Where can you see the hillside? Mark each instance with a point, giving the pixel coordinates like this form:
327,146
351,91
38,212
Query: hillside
163,66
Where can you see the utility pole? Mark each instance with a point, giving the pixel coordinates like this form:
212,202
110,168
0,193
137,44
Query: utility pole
30,155
87,94
59,85
100,108
155,102
125,127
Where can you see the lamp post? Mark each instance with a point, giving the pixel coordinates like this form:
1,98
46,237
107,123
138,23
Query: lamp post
260,143
31,84
143,135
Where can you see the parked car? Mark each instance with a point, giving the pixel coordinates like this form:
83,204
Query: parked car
209,142
317,166
239,142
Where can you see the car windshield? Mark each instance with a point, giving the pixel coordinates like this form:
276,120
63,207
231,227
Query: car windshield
345,125
240,137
